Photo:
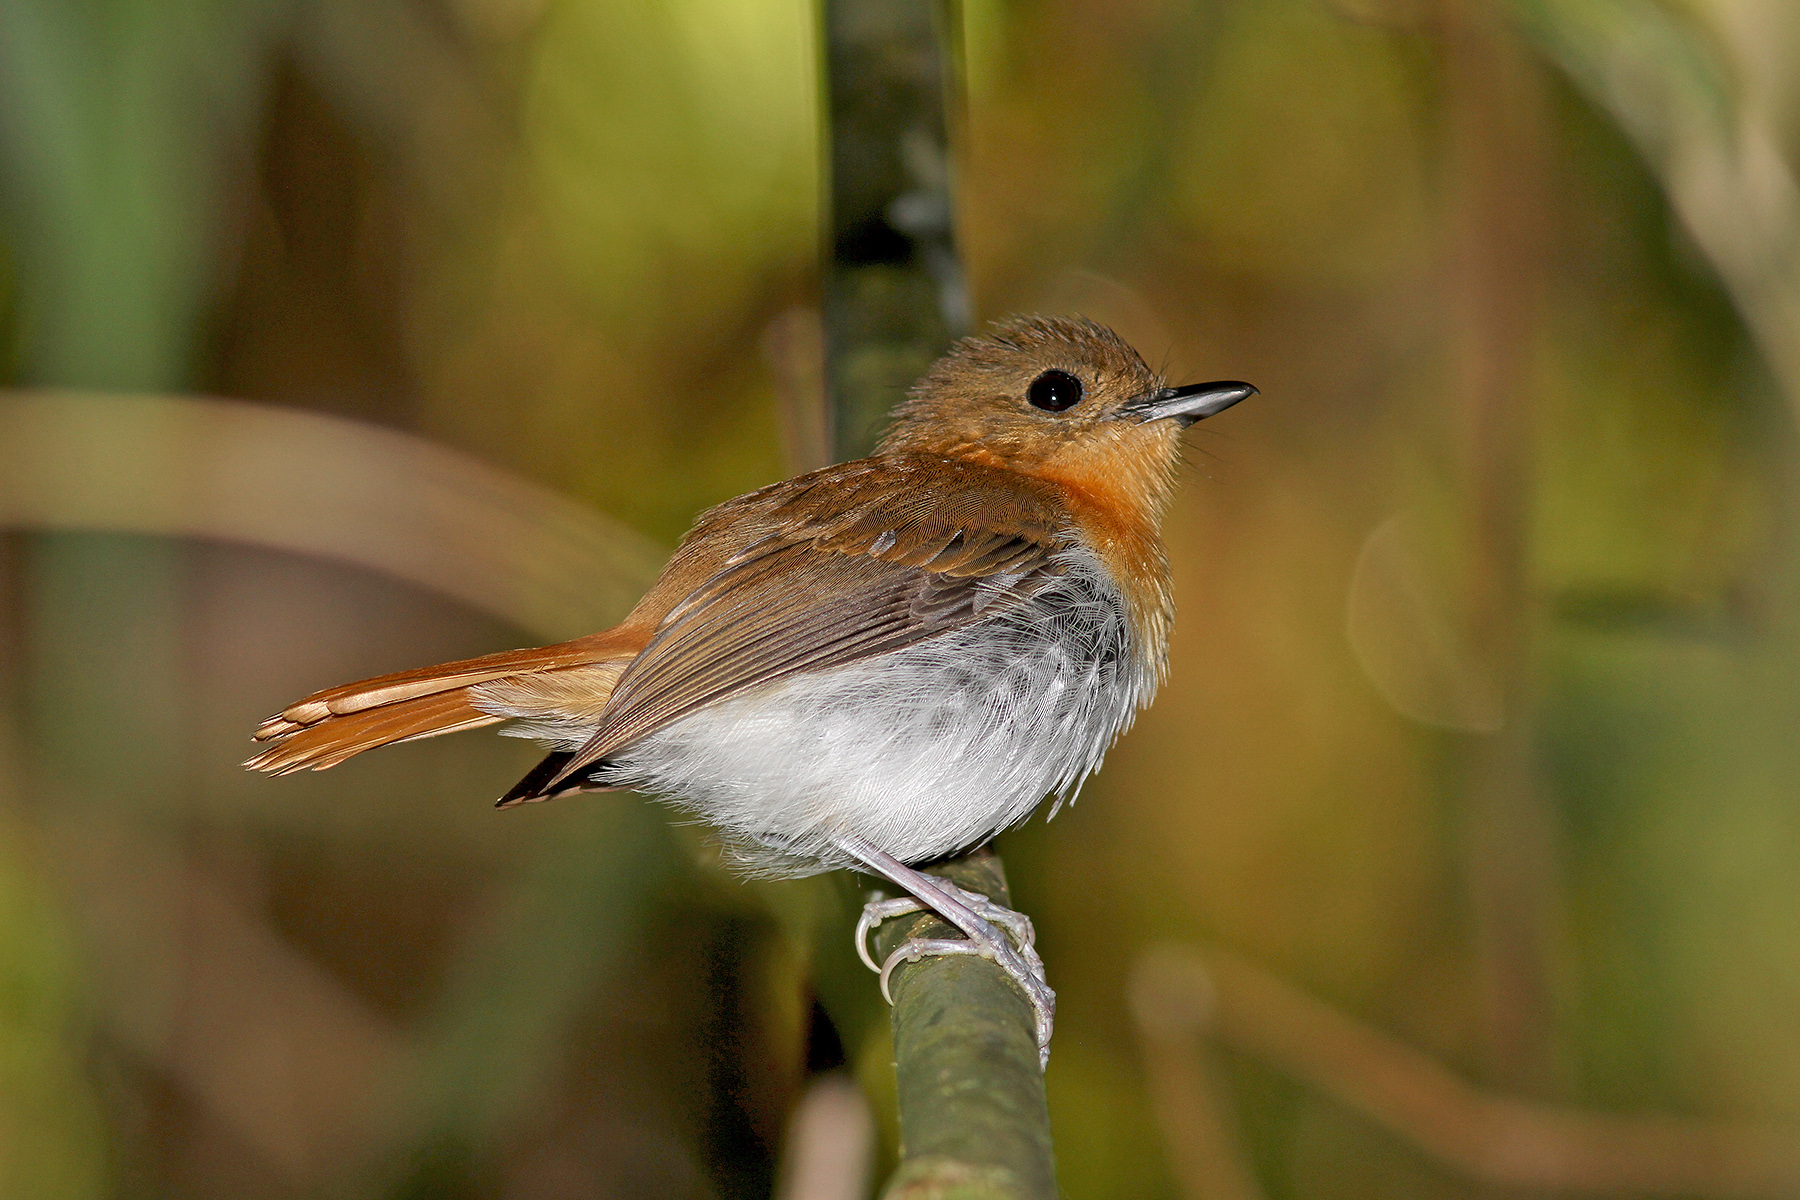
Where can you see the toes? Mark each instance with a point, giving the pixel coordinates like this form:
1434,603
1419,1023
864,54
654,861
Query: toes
1010,919
918,948
1014,951
873,914
1027,973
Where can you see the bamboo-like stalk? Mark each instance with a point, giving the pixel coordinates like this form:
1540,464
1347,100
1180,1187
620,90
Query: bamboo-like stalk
974,1121
894,293
974,1124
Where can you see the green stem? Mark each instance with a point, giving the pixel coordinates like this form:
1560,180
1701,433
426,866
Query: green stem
894,293
973,1120
974,1124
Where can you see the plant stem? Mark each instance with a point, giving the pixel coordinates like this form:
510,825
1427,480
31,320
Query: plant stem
894,293
974,1124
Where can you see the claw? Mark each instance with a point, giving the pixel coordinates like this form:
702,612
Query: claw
917,948
873,914
1019,960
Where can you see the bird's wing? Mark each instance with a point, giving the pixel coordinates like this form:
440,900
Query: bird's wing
875,562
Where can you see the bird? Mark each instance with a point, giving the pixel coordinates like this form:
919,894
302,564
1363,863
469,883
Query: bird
873,665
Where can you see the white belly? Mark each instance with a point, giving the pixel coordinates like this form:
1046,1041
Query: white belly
923,752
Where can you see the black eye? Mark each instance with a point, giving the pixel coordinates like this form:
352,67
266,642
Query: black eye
1054,391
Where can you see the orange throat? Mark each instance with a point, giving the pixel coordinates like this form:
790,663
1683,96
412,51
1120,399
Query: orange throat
1117,490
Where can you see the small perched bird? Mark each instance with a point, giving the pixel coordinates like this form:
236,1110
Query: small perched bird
872,665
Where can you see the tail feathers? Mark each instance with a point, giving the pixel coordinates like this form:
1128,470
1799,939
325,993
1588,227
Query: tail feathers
329,742
425,681
330,726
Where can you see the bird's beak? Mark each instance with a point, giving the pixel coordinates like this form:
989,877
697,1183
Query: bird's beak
1188,404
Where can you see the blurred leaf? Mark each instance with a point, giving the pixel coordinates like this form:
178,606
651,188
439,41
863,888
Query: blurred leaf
120,124
1688,84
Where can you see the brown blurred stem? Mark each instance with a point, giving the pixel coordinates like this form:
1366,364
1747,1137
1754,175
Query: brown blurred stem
1496,1139
1495,262
1171,1000
974,1124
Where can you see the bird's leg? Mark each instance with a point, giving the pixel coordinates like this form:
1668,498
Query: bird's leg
979,918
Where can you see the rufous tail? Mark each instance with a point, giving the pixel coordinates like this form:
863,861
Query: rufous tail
330,726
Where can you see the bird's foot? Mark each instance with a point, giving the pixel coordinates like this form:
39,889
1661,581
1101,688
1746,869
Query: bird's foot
1016,923
1013,952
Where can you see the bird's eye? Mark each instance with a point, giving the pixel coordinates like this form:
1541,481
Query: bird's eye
1054,391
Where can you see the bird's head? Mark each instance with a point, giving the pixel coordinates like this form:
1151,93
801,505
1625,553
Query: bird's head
1059,398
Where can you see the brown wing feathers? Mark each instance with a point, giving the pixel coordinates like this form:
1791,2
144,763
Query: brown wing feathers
828,576
822,570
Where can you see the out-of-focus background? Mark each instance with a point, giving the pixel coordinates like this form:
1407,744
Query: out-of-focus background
1481,726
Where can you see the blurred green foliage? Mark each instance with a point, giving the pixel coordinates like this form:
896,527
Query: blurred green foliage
1518,282
52,1136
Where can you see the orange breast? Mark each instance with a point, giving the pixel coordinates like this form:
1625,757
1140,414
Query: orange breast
1116,489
